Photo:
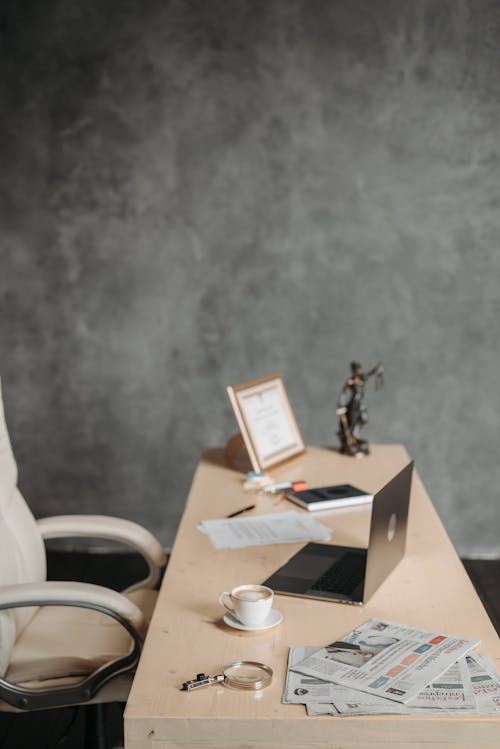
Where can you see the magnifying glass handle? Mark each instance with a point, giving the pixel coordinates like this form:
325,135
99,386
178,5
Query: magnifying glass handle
202,680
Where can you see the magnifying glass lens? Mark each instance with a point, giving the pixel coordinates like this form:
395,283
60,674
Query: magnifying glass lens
247,675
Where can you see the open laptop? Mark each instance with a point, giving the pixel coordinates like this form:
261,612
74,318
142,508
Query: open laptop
348,574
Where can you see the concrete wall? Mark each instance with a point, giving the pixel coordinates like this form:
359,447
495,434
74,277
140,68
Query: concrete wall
194,194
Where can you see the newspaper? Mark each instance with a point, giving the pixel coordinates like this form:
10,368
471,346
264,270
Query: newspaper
261,530
318,708
476,670
485,682
303,689
453,691
385,659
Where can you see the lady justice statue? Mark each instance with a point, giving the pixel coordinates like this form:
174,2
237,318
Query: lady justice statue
351,409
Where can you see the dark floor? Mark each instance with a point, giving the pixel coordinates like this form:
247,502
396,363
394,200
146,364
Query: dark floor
485,576
51,729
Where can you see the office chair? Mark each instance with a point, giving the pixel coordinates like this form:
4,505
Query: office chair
65,643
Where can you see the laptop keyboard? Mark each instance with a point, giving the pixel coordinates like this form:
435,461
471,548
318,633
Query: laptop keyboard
344,575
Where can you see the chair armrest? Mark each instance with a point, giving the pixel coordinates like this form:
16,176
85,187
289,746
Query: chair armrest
84,595
80,595
112,529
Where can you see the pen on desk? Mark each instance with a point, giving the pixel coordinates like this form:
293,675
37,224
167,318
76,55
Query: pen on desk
238,512
277,488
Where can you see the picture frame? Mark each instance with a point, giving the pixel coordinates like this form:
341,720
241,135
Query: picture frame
267,423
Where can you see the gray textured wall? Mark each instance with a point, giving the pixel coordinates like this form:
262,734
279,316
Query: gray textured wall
197,193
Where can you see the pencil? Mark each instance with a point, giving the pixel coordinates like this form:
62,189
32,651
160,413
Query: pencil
238,512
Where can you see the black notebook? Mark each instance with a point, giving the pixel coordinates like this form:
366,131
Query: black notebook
328,497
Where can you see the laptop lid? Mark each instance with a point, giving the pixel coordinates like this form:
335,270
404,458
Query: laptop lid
389,520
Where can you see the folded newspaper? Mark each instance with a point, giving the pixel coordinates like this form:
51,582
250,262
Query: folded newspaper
480,671
453,691
389,660
383,667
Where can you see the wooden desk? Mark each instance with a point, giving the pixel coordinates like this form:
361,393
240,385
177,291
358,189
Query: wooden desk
428,589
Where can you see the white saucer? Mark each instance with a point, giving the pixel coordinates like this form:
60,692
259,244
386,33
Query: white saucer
273,619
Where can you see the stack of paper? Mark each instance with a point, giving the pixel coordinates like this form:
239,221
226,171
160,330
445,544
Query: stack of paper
260,530
384,667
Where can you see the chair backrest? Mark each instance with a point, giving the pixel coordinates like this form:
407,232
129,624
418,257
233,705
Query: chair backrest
22,551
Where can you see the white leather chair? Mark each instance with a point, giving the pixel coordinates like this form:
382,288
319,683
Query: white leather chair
65,643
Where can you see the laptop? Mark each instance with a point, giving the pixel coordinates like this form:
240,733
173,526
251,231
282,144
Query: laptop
349,574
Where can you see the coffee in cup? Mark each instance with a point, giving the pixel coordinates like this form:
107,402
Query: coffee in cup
250,604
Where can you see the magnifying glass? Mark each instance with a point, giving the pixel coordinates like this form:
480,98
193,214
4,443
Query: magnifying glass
250,675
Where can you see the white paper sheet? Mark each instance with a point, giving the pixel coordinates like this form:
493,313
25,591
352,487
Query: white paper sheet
261,530
268,420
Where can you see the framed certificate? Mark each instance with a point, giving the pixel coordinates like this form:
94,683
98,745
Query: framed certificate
267,424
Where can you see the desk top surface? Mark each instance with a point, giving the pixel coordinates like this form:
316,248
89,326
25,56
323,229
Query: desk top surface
428,589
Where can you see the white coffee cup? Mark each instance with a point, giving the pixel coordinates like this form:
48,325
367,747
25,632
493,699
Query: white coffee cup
251,604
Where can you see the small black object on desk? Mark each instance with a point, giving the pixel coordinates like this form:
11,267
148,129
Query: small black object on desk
239,512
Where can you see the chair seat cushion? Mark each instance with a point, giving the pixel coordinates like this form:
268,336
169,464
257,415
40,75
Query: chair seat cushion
63,644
